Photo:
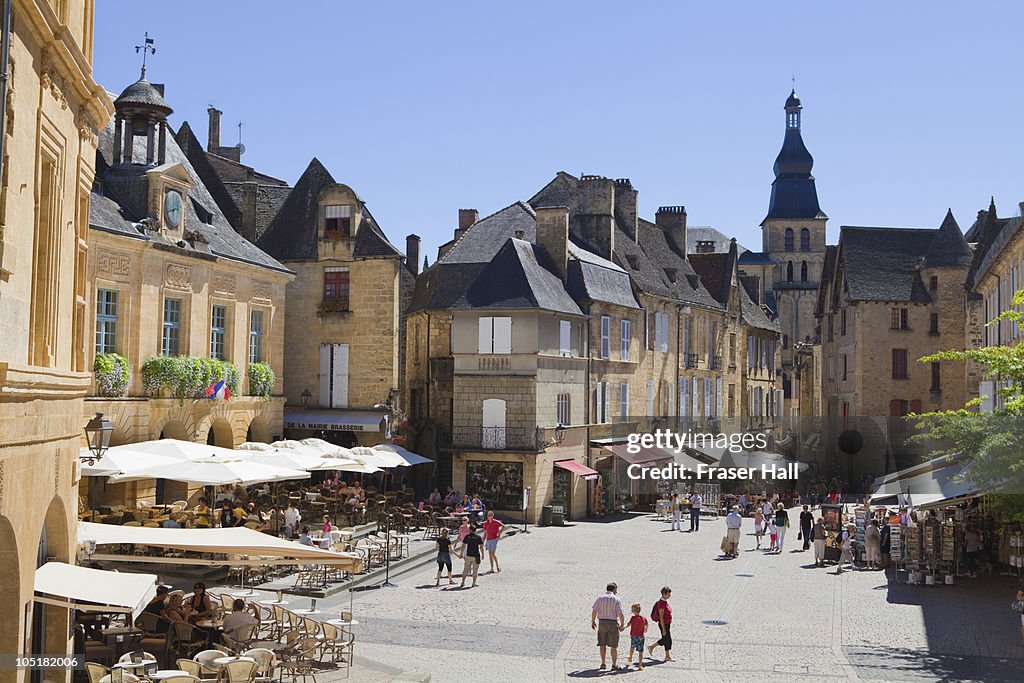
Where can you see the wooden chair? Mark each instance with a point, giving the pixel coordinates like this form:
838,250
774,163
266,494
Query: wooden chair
300,661
96,672
241,637
186,639
238,672
266,662
194,668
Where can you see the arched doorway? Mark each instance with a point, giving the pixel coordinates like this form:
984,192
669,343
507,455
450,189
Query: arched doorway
175,429
259,430
10,589
50,624
220,434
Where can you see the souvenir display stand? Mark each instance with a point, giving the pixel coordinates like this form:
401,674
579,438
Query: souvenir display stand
832,517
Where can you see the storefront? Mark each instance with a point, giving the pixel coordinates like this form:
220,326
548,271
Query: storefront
498,483
563,489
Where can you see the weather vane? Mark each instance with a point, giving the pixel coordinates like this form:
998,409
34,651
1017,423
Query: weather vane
146,47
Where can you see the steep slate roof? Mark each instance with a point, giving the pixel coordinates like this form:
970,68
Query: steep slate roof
949,248
196,155
592,278
515,279
828,271
145,93
706,233
663,253
123,203
483,240
881,264
991,234
793,192
753,257
292,234
717,271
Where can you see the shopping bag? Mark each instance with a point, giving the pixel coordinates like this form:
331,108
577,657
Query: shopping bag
725,544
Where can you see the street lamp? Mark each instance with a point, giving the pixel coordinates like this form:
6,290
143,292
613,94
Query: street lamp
97,433
306,397
559,433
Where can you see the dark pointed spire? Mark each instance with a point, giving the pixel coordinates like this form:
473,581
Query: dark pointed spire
948,247
425,263
991,217
793,192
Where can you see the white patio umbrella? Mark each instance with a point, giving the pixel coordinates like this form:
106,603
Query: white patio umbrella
407,455
218,471
293,459
382,459
327,448
175,448
123,461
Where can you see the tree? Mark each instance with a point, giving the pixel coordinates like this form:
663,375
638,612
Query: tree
992,442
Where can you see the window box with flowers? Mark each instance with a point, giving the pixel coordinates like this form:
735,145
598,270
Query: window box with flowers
328,307
113,375
184,377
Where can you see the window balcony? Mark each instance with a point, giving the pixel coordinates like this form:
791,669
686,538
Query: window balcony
492,438
716,362
690,360
332,306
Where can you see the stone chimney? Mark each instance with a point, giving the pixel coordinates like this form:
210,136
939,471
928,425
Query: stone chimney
672,219
595,221
467,217
213,140
412,254
553,235
625,206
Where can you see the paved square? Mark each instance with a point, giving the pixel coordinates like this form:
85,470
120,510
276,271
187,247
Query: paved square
763,617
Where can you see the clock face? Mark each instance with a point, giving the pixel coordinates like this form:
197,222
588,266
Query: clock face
172,208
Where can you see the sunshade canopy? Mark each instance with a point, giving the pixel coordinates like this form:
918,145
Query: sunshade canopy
577,468
125,463
176,448
96,589
216,472
382,459
408,456
258,547
928,484
646,456
301,458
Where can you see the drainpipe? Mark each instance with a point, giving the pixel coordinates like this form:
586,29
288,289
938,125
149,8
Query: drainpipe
4,76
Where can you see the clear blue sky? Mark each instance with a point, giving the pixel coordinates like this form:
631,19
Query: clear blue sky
425,108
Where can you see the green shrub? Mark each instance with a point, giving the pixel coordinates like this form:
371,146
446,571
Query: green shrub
113,375
186,376
261,379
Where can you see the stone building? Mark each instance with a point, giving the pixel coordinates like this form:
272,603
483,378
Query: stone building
892,296
169,276
996,275
49,117
344,317
605,328
793,247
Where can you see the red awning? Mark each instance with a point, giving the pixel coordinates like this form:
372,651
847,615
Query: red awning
577,467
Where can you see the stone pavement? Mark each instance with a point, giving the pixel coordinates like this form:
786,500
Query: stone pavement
763,617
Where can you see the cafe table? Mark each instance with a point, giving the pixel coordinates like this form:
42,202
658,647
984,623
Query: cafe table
135,666
161,674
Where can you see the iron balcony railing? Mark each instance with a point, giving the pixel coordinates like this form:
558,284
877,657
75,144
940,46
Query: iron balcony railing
492,438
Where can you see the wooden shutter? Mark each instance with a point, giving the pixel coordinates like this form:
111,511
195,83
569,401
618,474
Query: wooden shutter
339,377
485,335
325,375
502,335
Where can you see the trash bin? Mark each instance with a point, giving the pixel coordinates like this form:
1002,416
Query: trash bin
545,515
557,515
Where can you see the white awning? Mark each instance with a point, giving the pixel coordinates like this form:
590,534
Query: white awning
409,457
99,590
334,421
241,545
929,484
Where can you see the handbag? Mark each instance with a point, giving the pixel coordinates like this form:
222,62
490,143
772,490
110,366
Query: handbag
725,544
1017,606
800,535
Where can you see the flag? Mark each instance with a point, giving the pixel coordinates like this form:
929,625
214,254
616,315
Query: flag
218,390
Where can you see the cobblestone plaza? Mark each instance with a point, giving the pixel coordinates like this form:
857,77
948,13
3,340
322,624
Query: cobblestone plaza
759,617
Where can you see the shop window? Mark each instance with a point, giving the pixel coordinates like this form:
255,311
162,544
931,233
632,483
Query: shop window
499,484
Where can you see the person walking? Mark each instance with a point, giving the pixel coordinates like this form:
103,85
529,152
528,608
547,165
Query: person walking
872,545
733,522
818,537
492,532
781,524
444,557
972,546
758,526
673,511
662,613
637,631
767,509
695,503
471,545
806,522
607,618
1020,609
846,548
464,529
885,545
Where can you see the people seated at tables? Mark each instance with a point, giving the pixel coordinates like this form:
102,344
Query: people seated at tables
304,538
199,605
476,506
435,497
171,522
454,498
174,610
240,494
227,515
156,607
91,624
238,618
239,515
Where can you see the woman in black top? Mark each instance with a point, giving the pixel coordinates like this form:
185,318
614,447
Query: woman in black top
199,605
444,557
227,515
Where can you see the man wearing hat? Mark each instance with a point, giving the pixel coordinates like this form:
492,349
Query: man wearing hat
733,522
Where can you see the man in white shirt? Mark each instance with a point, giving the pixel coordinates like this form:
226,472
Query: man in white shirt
607,618
291,520
733,522
695,502
766,509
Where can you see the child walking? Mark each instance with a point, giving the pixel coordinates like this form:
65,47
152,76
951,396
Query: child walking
758,527
773,534
637,629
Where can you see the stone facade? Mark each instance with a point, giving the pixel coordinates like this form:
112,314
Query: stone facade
52,113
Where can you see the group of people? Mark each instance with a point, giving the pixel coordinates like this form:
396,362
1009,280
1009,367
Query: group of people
692,503
772,520
609,620
170,607
458,503
468,546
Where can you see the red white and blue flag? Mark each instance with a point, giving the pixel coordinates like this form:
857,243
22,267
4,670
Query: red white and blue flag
218,390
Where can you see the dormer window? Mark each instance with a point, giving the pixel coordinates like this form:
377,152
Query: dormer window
337,221
633,261
670,273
